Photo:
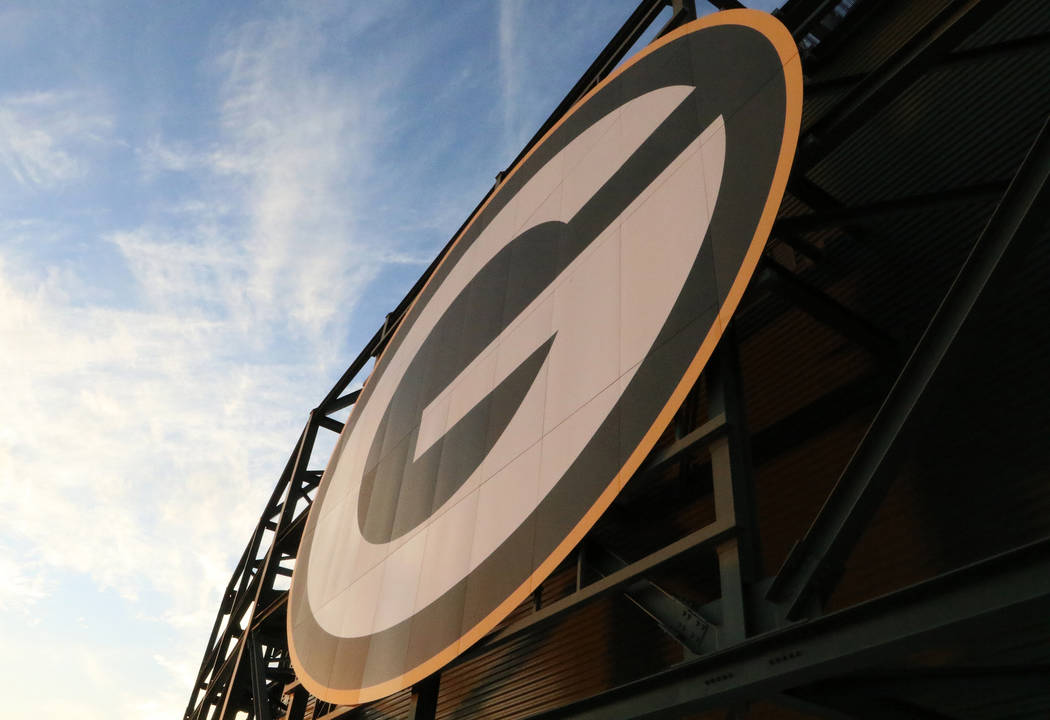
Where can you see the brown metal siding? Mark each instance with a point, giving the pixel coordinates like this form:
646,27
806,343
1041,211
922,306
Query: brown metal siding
607,643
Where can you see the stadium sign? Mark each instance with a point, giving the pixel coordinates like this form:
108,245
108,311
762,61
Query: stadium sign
545,356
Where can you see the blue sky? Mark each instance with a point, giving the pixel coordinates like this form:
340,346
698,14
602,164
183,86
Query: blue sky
206,209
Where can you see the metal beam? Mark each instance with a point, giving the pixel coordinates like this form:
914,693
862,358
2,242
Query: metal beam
727,4
1024,209
827,411
681,448
1003,589
297,707
708,536
732,484
343,401
329,424
688,628
422,704
983,192
829,312
260,699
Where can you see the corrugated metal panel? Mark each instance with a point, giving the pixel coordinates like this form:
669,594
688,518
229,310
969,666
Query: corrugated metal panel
1019,19
959,124
604,644
887,27
389,708
793,362
820,99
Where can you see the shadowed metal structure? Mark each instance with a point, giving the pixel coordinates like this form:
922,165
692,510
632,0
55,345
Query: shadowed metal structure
849,516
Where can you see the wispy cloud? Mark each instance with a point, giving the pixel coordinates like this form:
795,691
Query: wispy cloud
43,136
24,582
151,434
509,21
166,353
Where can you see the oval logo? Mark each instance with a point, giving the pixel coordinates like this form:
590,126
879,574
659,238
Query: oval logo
545,356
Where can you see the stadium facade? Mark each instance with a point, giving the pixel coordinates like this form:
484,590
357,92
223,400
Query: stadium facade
848,513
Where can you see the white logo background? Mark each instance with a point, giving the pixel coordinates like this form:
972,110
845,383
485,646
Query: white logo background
606,309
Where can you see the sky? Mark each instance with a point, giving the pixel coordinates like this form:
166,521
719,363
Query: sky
206,210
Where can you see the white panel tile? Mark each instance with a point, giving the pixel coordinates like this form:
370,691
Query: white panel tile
536,190
523,431
368,556
641,116
504,501
584,359
660,240
472,385
397,598
550,209
446,559
347,542
345,477
520,340
587,140
323,556
596,167
497,234
562,445
433,424
713,146
355,608
526,333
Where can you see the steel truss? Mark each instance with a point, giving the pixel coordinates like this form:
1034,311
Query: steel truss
766,636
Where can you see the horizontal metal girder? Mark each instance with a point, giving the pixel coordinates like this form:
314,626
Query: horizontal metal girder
708,536
1013,586
826,219
828,311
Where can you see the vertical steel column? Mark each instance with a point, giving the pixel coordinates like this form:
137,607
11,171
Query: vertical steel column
297,705
258,673
423,705
732,486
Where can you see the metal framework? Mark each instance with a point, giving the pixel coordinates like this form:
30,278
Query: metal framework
766,636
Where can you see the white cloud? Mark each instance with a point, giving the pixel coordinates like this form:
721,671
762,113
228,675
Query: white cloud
140,442
22,583
43,136
509,21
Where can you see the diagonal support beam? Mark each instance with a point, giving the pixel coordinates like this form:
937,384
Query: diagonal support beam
830,312
822,552
837,217
674,617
